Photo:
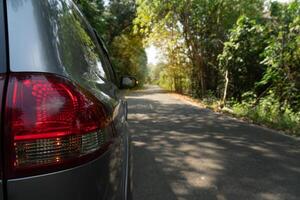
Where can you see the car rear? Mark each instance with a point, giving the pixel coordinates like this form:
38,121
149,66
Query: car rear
63,133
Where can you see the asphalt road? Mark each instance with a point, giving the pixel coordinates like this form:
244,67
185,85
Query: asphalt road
181,152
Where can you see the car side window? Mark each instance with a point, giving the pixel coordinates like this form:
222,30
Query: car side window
109,66
106,61
88,49
62,38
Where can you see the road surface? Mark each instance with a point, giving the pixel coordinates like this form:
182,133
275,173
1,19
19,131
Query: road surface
182,152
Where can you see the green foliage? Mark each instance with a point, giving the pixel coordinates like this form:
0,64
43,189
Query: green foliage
263,61
200,27
94,12
258,49
129,56
119,18
155,71
241,56
282,57
115,24
269,111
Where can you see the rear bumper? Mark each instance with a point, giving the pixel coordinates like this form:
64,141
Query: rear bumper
96,180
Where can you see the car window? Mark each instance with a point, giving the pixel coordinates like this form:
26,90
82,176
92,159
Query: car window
111,69
105,59
53,34
107,63
2,40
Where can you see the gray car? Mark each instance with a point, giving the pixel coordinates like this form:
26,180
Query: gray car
63,119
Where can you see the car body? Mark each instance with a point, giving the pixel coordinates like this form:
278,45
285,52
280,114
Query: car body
63,119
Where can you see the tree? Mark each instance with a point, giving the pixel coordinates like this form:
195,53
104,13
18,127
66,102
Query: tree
129,56
241,57
282,56
94,12
203,25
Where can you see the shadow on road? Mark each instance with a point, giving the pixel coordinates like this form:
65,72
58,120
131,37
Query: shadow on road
184,152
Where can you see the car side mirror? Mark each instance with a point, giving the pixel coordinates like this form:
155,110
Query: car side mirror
128,82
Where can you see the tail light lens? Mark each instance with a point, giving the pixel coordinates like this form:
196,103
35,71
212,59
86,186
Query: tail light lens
52,124
2,79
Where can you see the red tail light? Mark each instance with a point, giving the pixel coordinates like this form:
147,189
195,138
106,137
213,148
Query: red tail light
2,79
52,123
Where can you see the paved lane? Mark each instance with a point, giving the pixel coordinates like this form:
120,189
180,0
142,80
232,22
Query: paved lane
185,152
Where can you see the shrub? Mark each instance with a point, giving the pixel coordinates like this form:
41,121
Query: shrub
268,111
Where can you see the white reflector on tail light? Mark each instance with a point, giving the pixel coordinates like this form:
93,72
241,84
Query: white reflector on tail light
52,124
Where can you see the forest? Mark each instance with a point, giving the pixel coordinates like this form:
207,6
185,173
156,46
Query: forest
236,56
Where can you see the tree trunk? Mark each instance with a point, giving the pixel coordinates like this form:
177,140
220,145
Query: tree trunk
225,89
202,81
198,75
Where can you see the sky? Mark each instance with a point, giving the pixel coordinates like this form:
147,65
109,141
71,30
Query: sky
153,55
153,52
106,2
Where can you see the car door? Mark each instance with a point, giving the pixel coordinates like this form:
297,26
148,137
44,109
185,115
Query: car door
3,67
119,116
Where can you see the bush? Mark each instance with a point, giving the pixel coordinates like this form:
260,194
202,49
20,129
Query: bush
268,111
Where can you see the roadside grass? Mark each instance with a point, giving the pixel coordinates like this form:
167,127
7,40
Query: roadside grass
271,116
266,113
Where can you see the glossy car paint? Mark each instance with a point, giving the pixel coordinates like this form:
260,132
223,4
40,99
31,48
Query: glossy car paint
2,81
52,36
2,40
3,67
